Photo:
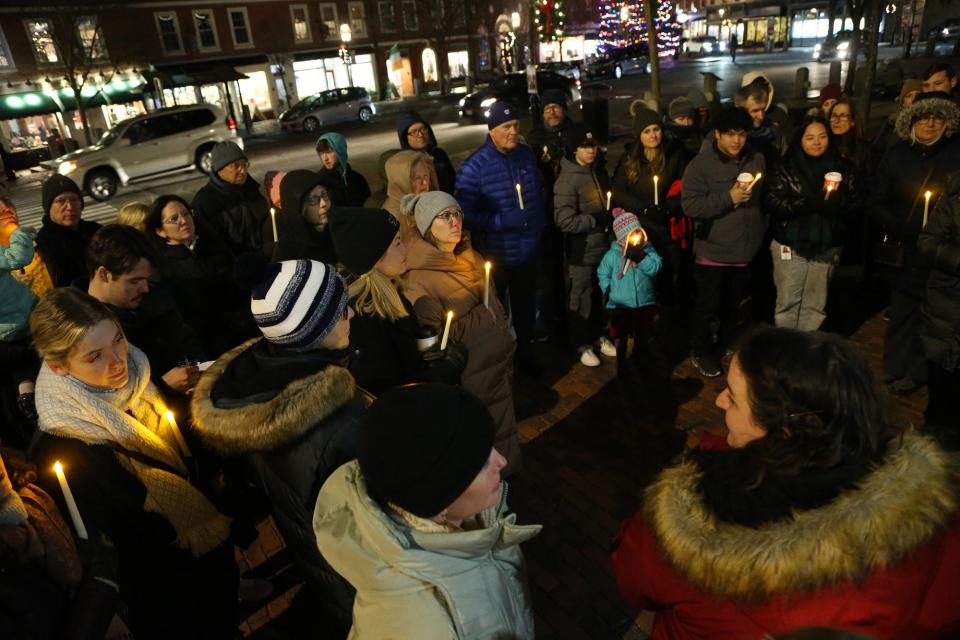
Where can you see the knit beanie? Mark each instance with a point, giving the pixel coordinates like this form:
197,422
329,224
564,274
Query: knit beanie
224,153
501,112
425,466
361,236
297,303
643,118
553,96
680,107
424,207
624,223
577,135
832,91
697,99
54,186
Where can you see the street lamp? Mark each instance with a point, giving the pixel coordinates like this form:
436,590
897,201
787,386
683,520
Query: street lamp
345,36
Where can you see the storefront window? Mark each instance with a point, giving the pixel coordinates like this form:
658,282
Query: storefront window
41,37
429,65
459,63
211,95
314,76
256,94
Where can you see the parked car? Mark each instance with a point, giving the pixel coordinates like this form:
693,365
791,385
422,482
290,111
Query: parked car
167,140
512,88
703,45
567,69
617,62
837,47
328,107
946,30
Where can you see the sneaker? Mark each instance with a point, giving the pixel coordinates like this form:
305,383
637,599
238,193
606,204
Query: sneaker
589,359
607,348
707,365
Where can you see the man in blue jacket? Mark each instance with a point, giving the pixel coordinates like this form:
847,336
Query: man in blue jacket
499,190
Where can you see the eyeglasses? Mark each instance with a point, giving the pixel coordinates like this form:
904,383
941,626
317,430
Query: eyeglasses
451,215
240,165
179,218
553,107
315,200
419,132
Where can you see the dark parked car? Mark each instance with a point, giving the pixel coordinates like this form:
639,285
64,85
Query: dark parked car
837,47
513,89
617,62
567,69
328,107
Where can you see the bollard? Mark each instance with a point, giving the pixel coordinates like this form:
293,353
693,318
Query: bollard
835,67
801,83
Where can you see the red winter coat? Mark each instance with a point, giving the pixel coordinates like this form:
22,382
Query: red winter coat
882,558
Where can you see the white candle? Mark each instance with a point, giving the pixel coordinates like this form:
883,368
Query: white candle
273,221
656,191
609,195
71,503
520,195
181,443
754,181
486,284
926,207
829,189
446,331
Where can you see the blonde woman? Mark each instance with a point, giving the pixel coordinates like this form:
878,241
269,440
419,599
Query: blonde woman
102,418
384,331
408,172
134,214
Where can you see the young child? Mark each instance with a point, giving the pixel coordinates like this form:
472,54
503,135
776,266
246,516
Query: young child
626,280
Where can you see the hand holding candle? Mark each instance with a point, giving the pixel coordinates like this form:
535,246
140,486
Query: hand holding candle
656,191
756,179
273,221
181,443
926,207
486,284
71,503
446,331
520,195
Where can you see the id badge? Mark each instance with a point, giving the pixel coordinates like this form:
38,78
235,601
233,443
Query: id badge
785,252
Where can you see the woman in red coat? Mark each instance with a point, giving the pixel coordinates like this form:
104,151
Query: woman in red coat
818,514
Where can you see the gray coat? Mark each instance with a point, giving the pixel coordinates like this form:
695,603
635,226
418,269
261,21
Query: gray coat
578,197
724,233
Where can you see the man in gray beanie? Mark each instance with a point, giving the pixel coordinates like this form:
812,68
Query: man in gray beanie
230,204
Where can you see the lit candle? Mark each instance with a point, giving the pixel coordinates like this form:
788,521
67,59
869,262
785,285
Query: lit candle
273,221
520,195
71,503
829,189
926,207
181,443
609,195
656,191
446,331
756,178
486,284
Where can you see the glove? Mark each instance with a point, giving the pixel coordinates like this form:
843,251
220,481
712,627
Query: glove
454,355
636,253
658,214
602,217
99,557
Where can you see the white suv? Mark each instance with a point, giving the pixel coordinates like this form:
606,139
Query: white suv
164,141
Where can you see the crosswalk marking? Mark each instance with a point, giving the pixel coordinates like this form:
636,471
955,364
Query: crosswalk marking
29,204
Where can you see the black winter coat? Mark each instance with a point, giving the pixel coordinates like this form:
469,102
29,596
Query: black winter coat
170,593
64,250
446,174
897,199
234,213
549,148
294,417
352,189
800,216
297,239
940,245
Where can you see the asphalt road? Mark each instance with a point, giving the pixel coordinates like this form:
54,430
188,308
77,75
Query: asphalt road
284,152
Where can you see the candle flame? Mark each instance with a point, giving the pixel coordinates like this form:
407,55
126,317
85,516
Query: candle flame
928,194
58,468
273,211
449,315
486,266
170,413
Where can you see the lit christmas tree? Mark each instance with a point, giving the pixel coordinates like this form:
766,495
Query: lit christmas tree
549,19
622,22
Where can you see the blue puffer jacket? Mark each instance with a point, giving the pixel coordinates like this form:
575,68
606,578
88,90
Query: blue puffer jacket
635,288
487,193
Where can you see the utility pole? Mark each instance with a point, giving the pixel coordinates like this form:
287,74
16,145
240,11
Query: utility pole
652,49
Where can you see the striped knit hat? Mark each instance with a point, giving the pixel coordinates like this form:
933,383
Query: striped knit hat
298,302
624,223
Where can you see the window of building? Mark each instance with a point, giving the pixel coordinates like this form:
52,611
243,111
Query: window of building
169,29
91,36
6,60
388,16
358,20
206,28
301,22
460,13
240,27
41,38
409,10
328,16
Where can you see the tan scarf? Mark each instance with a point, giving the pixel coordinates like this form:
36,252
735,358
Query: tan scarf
72,409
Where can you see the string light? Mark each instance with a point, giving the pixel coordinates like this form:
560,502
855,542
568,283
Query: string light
622,23
549,19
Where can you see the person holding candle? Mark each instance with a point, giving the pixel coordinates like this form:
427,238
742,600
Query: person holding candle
102,418
384,330
809,220
231,204
503,232
926,159
196,270
302,223
444,273
582,213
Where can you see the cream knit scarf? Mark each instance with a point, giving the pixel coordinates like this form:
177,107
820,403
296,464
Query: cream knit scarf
133,417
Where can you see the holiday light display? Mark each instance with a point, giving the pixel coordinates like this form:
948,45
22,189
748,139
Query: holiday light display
549,18
622,23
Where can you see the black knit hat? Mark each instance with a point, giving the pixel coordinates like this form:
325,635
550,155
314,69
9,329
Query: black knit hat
54,186
554,96
421,445
578,134
361,236
733,119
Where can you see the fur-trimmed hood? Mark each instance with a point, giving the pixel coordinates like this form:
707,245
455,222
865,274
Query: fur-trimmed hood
935,104
905,502
260,426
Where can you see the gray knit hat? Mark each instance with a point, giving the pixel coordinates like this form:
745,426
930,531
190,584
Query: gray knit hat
681,107
424,207
224,153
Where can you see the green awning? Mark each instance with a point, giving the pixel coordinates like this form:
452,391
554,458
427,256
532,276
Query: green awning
21,105
35,103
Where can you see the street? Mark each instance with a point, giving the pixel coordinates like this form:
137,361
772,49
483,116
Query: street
284,151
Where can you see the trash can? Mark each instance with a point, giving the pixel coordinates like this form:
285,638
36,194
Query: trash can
595,108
